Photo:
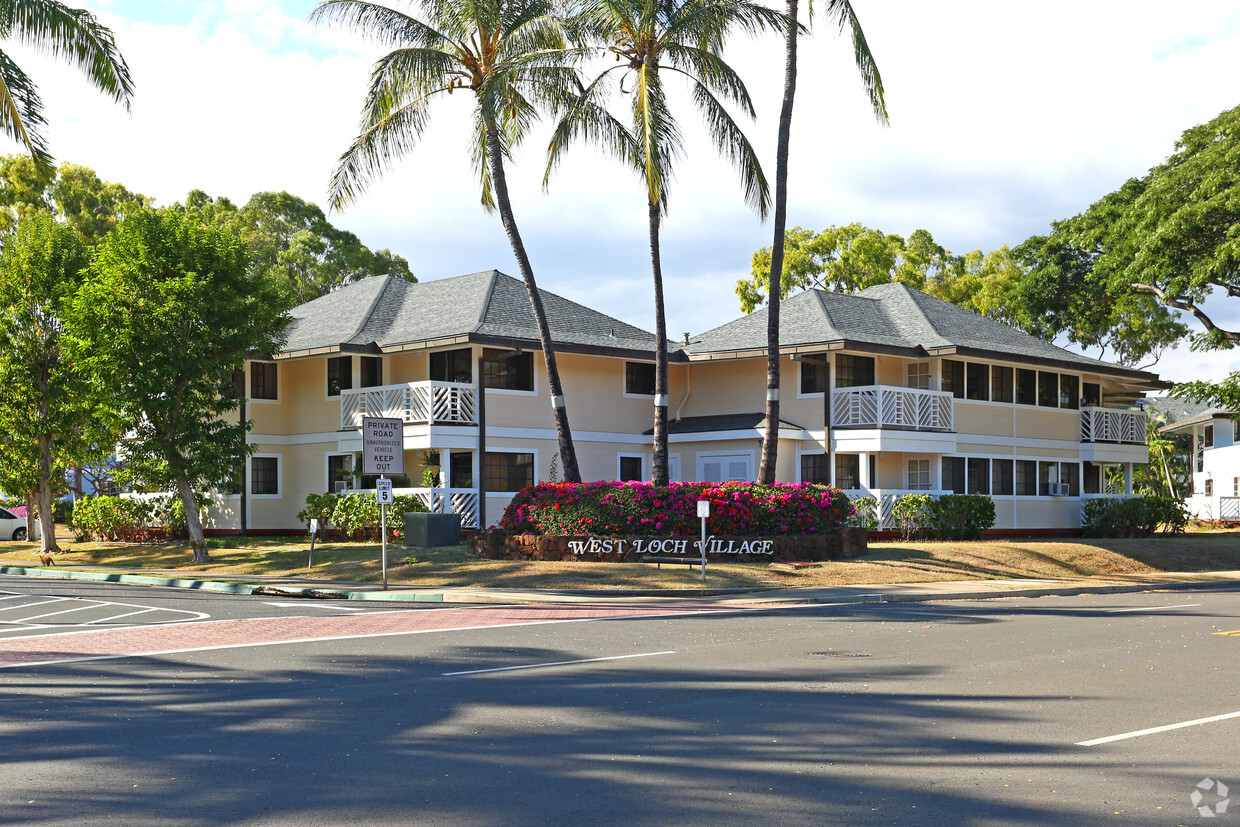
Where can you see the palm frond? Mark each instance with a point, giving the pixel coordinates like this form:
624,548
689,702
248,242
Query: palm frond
732,144
21,113
75,36
656,131
710,69
379,24
842,14
585,117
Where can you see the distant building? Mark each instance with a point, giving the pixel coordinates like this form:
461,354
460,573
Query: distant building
1215,458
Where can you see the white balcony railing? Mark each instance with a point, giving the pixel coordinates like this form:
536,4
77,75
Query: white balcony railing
885,501
429,403
463,501
1112,425
888,406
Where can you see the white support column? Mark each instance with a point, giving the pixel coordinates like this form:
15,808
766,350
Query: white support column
863,472
445,479
1128,478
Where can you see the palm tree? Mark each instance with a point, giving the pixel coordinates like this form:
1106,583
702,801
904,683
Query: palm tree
69,34
841,13
506,52
648,39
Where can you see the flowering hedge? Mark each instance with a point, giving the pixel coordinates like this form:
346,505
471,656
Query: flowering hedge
737,509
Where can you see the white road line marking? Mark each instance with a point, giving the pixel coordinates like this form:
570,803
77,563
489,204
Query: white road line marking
557,663
61,612
111,618
31,605
318,606
1156,729
1152,608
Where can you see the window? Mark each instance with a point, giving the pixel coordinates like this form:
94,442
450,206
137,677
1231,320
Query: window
508,473
372,371
339,471
1091,394
1201,451
1001,384
1001,477
263,380
953,378
339,374
1026,387
977,381
1069,391
813,376
638,379
1026,477
1048,475
1093,478
265,476
507,370
979,475
1209,487
453,366
631,469
1070,475
1235,432
919,375
919,474
461,469
953,474
853,371
848,471
1208,436
724,467
1048,390
814,468
1235,486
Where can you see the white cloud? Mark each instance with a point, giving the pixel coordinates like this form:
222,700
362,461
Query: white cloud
1004,117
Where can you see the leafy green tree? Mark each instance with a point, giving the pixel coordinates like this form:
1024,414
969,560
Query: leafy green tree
682,38
169,310
46,405
506,52
841,13
292,244
74,194
72,35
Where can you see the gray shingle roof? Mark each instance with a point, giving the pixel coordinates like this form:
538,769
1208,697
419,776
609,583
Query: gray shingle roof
890,316
388,311
721,422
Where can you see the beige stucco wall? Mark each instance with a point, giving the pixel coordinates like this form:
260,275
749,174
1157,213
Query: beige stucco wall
1047,512
991,419
1048,423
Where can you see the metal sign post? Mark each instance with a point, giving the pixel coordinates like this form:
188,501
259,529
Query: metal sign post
383,453
314,529
703,511
383,493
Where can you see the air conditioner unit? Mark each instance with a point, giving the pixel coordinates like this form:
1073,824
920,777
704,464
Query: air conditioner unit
342,486
1060,490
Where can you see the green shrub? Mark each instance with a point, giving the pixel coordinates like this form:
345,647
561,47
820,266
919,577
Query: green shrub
865,513
911,514
961,516
1133,516
318,507
357,515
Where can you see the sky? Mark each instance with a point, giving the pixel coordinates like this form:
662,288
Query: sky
1001,121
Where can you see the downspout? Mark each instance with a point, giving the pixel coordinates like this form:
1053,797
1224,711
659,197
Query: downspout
480,481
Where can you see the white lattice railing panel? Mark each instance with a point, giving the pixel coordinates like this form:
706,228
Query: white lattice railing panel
1229,508
463,501
1112,425
416,402
883,406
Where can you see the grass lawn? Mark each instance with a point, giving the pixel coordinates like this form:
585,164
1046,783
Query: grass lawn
456,566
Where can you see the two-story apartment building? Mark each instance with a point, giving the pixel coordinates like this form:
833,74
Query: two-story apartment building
1214,462
885,391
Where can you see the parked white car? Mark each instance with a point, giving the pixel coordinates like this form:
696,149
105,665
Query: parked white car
13,527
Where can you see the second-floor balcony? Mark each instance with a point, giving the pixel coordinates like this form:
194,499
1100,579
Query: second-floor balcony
1113,425
420,403
888,406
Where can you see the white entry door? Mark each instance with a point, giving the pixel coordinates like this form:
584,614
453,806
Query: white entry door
725,468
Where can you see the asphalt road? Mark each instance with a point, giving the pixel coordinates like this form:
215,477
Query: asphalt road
928,713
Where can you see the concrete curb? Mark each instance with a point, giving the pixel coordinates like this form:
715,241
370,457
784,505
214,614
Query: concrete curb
490,597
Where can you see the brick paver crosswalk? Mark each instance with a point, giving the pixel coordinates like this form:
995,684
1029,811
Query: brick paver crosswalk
226,634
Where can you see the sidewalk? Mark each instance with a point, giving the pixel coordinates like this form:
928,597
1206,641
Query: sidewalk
301,587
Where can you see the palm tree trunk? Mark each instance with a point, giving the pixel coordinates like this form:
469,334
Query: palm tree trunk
499,183
197,539
47,516
770,436
659,474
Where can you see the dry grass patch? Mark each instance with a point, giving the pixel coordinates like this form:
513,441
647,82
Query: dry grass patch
457,567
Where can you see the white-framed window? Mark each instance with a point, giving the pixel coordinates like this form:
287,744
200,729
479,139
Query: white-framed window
639,380
673,468
725,466
265,477
919,475
507,470
264,382
631,467
919,375
509,371
1235,486
338,467
813,468
814,371
1209,487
